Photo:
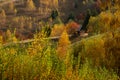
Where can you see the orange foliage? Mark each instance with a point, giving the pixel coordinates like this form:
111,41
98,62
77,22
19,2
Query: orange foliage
72,27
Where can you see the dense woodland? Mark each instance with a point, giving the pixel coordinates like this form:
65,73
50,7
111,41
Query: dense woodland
29,49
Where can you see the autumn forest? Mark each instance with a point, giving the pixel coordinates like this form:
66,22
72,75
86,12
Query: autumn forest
59,39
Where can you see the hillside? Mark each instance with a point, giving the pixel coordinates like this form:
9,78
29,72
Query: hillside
59,40
17,13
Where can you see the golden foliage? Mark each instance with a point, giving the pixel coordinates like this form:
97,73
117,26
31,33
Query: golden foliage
11,7
30,5
1,40
105,4
55,2
106,17
117,17
9,35
2,16
106,21
112,46
63,44
57,29
14,39
38,44
15,11
103,50
94,48
117,2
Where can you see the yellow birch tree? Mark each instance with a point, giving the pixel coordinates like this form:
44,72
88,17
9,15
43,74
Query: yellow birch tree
63,44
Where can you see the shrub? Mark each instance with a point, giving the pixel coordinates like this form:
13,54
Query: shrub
72,27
